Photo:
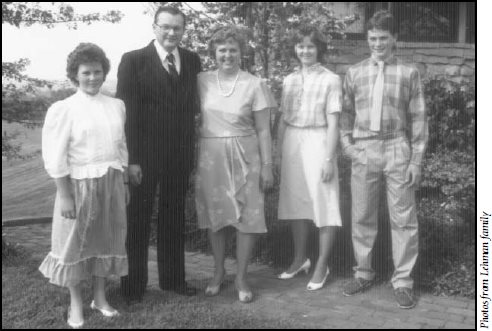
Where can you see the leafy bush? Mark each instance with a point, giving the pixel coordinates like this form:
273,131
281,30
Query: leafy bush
451,110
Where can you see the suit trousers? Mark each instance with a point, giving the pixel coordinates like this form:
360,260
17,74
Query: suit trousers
170,230
378,161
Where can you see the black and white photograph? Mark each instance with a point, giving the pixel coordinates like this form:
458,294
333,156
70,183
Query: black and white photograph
230,165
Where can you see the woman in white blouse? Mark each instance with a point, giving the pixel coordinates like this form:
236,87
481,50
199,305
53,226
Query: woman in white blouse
308,133
84,150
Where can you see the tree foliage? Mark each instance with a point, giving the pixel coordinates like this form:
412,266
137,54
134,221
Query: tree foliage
28,13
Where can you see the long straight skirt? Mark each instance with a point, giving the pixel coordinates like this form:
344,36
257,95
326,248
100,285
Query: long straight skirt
92,244
303,194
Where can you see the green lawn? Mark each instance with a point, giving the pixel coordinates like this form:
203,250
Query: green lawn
29,301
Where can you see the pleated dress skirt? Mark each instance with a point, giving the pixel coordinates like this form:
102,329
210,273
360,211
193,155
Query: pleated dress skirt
92,244
303,194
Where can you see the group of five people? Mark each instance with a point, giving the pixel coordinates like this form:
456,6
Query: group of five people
109,156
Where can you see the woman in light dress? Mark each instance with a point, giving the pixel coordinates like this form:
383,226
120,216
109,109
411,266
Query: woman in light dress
84,150
307,136
235,159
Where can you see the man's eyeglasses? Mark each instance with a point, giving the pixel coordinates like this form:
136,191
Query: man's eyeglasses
166,27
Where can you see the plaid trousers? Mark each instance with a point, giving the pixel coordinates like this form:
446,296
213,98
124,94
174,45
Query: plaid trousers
376,160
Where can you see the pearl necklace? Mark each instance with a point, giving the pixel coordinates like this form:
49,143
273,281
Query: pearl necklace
233,85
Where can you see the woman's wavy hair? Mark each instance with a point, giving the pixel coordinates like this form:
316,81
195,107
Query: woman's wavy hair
85,53
316,37
220,36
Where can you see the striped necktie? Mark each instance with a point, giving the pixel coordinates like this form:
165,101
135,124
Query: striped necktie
172,67
377,99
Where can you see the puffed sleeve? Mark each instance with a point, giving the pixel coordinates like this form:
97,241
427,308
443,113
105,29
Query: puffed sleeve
123,150
263,97
55,138
334,96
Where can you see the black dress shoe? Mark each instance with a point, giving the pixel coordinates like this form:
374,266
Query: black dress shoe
132,299
185,289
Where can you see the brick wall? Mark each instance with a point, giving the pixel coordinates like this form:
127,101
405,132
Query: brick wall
452,60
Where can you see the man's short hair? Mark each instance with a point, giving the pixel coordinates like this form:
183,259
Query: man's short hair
382,20
171,10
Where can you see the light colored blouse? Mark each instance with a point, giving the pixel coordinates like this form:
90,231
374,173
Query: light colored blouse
308,99
83,136
232,116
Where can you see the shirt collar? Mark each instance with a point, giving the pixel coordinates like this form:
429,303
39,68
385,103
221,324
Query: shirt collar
85,96
313,68
163,53
390,60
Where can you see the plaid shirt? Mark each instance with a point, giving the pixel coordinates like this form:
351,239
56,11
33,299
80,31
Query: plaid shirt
307,100
403,111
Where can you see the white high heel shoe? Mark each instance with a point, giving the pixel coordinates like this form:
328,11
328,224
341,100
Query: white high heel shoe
316,286
304,267
105,312
211,291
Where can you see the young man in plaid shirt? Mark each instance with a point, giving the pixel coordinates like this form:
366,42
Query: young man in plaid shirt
384,130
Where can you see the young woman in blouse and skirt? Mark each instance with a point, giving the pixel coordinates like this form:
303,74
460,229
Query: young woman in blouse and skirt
308,133
84,150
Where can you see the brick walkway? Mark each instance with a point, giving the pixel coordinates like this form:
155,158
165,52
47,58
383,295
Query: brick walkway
326,308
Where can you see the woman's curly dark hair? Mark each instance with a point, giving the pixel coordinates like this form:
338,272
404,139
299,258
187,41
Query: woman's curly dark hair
85,53
222,34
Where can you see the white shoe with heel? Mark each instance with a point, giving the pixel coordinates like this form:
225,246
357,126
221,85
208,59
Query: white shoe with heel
304,267
316,286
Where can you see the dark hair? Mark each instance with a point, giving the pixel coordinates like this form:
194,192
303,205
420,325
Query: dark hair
221,35
382,20
171,10
316,38
85,53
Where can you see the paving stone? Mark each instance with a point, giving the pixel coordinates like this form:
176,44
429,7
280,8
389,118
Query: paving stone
464,312
390,316
443,316
453,325
431,307
397,325
450,302
366,320
429,321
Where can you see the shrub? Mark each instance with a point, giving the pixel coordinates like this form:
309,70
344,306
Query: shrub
451,110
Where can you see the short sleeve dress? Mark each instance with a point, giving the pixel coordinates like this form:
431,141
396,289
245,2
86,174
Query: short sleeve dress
307,99
83,137
227,186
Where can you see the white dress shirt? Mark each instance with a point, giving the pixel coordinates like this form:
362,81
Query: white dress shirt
84,135
163,56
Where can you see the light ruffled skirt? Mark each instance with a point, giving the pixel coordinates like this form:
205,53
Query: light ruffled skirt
93,244
303,195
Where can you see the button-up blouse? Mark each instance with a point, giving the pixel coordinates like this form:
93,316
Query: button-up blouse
308,98
83,136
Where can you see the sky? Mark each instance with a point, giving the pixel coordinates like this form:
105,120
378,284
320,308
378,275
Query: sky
47,49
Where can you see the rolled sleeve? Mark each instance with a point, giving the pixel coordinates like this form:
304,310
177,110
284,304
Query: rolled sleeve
55,139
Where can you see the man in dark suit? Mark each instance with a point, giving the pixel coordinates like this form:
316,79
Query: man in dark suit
158,85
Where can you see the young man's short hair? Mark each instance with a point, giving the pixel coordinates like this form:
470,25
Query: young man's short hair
382,20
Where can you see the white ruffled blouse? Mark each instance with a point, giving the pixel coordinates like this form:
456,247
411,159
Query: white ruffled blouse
84,135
